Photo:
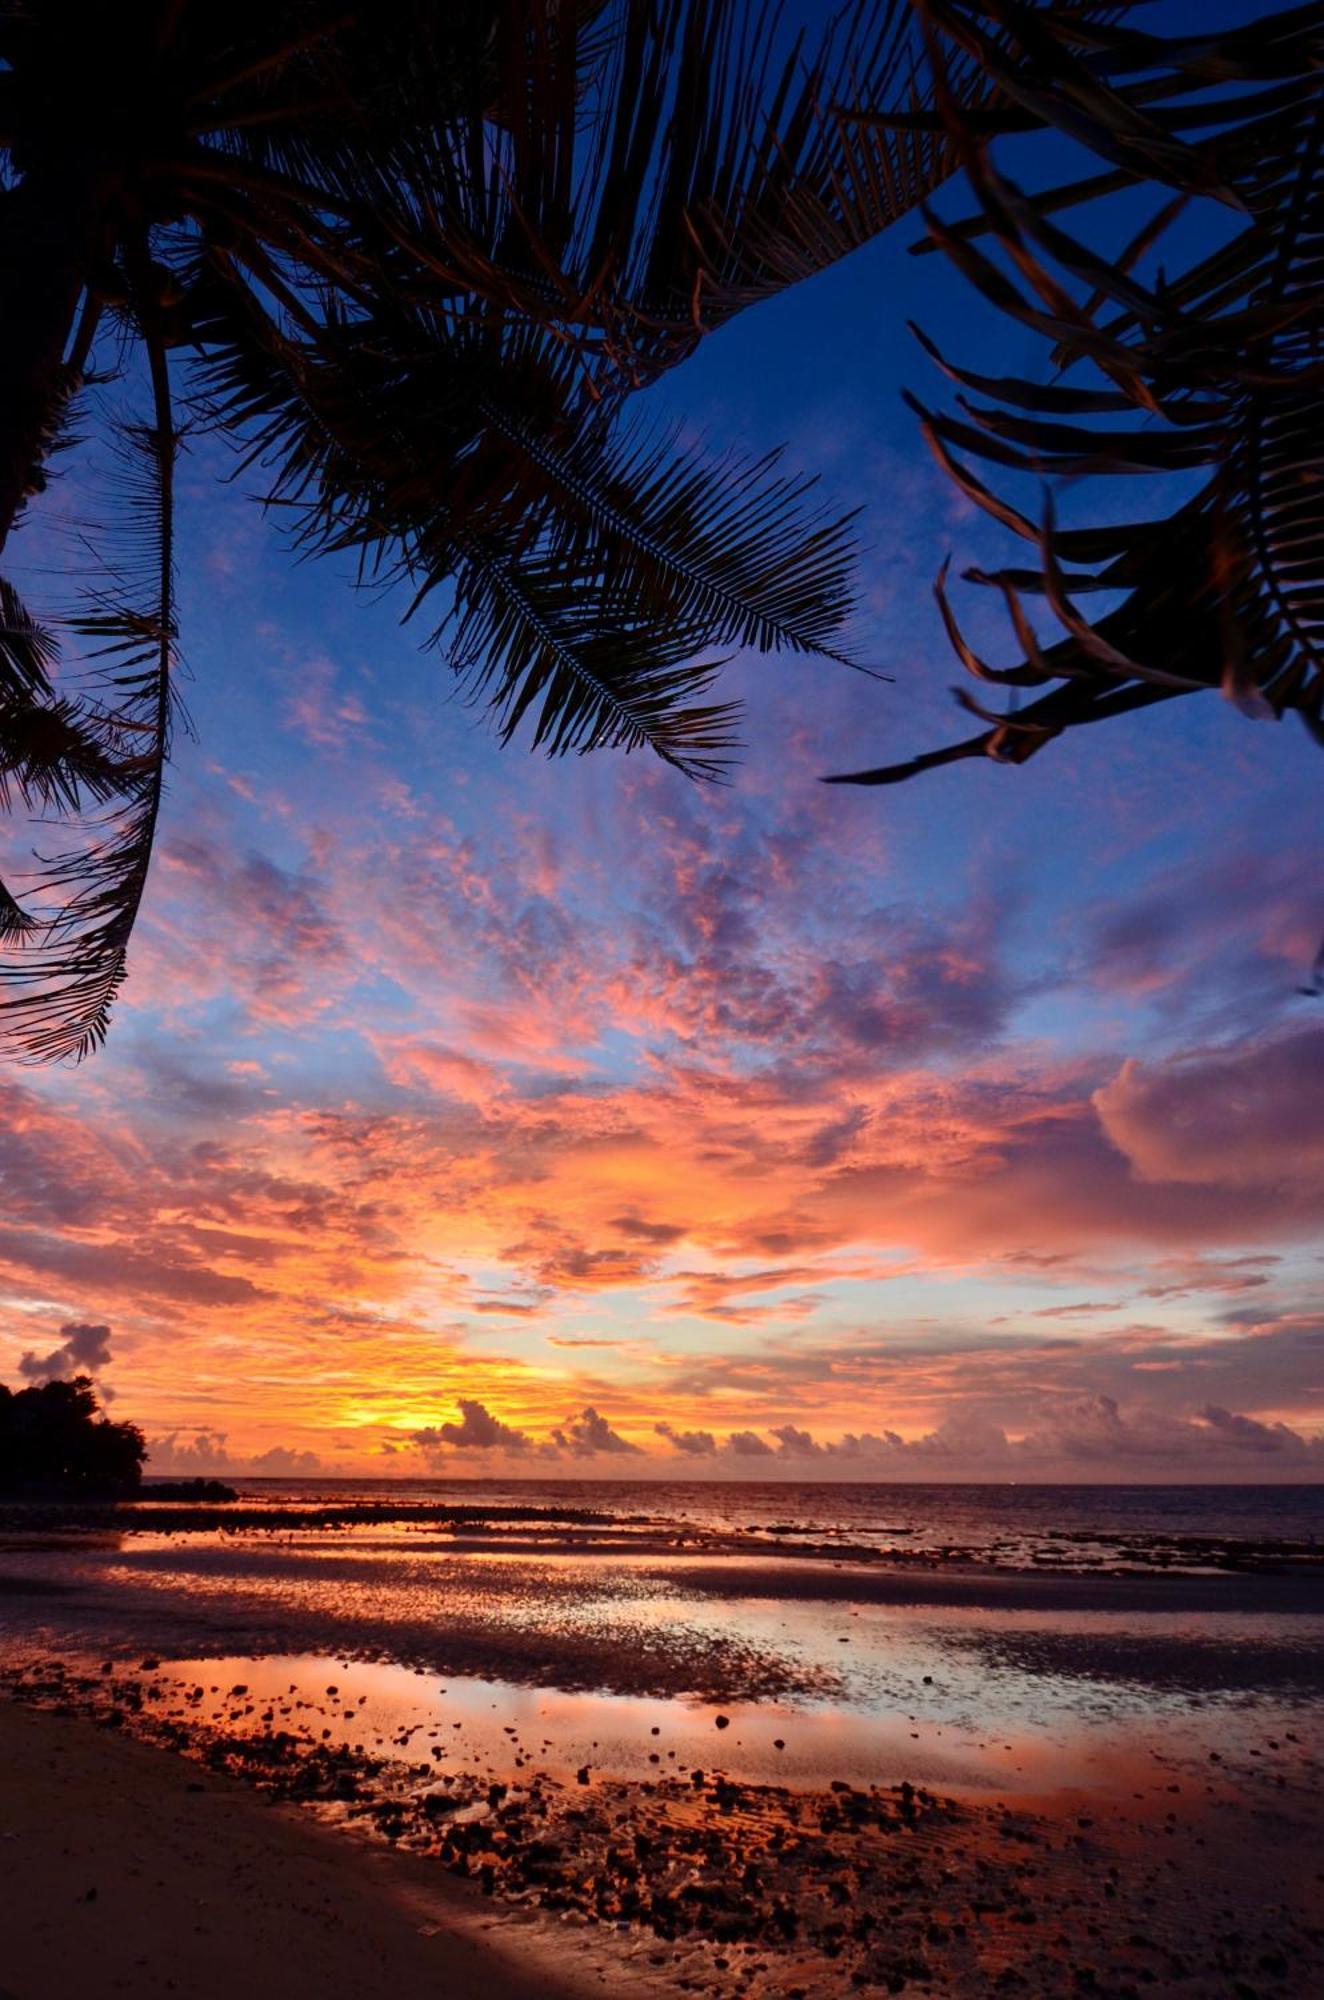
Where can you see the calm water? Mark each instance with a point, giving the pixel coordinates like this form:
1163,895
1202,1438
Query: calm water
966,1636
1003,1520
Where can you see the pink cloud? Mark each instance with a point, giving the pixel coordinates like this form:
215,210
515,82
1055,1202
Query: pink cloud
323,714
1247,1116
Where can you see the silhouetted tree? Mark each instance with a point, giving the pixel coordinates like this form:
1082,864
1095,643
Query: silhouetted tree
54,1440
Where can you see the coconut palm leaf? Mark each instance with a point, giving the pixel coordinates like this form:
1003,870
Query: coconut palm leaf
638,177
432,451
724,548
57,754
525,636
27,650
1215,372
58,992
416,257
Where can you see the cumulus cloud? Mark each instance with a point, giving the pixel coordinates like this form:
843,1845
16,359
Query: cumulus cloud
1095,1430
792,1442
205,1454
1089,1432
795,1443
1252,1114
590,1436
747,1444
280,1462
84,1349
691,1444
477,1430
587,1435
1066,1436
1248,1434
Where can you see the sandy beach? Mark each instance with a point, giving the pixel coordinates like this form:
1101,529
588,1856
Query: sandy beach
129,1871
235,1847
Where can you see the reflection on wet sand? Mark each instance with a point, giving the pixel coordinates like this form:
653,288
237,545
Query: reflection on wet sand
1037,1865
492,1730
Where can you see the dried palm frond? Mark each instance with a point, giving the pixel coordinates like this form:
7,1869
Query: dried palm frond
1215,371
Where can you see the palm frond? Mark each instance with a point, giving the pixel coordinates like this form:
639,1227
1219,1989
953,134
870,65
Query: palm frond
58,993
1223,363
423,255
636,182
27,650
725,547
58,753
58,756
469,456
17,925
526,637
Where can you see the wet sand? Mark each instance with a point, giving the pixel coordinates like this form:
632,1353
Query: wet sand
767,1628
979,1586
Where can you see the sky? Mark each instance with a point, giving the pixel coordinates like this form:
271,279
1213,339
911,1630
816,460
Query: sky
471,1114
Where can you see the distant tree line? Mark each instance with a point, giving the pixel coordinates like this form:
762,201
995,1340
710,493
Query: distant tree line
55,1441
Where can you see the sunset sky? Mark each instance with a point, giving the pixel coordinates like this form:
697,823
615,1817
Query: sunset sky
973,1128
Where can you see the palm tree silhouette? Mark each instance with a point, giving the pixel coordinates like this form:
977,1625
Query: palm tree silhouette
1212,370
415,259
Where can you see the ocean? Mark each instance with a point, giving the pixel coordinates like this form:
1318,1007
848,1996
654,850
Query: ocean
1001,1522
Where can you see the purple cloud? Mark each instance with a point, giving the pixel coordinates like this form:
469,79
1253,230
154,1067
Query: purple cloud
477,1430
590,1436
690,1444
83,1350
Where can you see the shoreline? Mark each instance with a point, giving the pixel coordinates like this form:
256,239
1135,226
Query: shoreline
765,1627
692,1882
683,1759
134,1872
989,1587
